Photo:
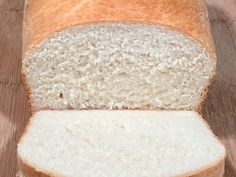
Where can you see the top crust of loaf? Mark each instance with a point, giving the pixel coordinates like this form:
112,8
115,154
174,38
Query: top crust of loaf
43,18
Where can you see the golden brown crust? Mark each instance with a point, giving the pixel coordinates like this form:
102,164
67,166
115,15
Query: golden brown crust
216,170
205,94
43,18
30,171
27,93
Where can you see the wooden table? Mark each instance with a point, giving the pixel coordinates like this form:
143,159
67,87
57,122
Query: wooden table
219,111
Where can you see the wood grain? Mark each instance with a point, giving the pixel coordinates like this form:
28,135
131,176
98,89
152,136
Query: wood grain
13,111
219,110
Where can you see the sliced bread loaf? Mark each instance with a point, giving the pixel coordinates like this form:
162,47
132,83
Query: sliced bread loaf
84,54
119,143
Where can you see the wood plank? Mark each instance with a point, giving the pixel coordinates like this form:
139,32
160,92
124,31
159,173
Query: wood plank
11,15
13,111
219,111
223,10
220,108
13,118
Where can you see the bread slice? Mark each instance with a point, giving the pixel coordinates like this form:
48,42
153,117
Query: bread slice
119,143
117,54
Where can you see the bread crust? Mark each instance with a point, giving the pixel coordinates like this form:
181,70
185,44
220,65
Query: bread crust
27,93
43,18
216,169
205,93
31,171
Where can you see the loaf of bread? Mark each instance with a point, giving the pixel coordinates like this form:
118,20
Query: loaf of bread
117,54
119,143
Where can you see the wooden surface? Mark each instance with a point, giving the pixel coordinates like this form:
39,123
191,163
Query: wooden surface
219,111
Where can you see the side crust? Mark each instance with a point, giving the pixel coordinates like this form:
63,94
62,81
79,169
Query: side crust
214,170
30,171
27,93
205,93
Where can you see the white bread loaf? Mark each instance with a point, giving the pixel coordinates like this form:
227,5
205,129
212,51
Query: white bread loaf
118,54
119,143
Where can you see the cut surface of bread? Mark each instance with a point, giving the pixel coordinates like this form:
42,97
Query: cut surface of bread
117,54
119,143
116,66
